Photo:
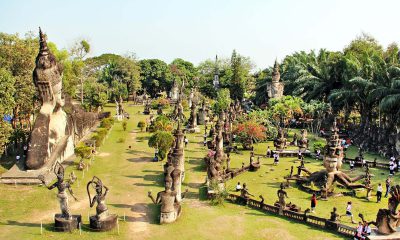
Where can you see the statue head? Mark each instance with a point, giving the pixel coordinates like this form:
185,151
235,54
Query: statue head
59,171
168,183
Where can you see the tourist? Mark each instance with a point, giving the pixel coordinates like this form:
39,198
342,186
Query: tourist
398,165
351,165
348,212
186,141
366,230
392,158
276,158
379,193
313,202
299,155
238,187
268,152
25,150
359,231
17,158
363,162
387,182
391,168
318,153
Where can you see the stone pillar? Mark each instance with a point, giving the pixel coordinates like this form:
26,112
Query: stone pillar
179,158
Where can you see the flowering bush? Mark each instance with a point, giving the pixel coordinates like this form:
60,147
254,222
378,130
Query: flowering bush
249,132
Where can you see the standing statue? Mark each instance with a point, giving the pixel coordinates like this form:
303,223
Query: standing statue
102,221
280,140
64,221
303,142
281,196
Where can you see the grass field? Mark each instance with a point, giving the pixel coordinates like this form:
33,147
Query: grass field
130,174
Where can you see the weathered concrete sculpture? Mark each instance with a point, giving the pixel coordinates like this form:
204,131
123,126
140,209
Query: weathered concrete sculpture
325,179
280,140
65,221
192,123
303,142
275,88
147,108
102,221
50,129
174,171
54,132
202,114
219,140
388,220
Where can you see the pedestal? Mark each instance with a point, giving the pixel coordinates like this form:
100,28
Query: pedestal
67,225
170,217
105,224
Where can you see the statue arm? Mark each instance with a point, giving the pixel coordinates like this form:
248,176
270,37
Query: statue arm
71,192
93,201
51,186
106,188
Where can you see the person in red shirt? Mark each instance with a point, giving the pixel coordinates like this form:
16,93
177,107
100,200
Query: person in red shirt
313,202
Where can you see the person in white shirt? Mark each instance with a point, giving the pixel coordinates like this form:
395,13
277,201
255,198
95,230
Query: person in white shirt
379,191
348,212
351,165
238,187
367,230
276,158
359,233
391,169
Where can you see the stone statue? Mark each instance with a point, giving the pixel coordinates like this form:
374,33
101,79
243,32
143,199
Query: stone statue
280,140
281,196
275,88
334,215
102,220
147,108
50,128
170,206
54,132
303,142
388,220
192,125
64,221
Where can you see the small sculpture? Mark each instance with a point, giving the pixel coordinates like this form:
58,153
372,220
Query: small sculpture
102,221
281,196
64,221
280,140
146,108
303,142
334,215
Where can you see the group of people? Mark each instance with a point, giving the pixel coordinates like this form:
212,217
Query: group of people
275,155
363,230
393,165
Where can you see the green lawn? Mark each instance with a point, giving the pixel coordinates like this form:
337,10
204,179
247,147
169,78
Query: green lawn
130,174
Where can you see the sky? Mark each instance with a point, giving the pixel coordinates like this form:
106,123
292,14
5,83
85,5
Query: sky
196,30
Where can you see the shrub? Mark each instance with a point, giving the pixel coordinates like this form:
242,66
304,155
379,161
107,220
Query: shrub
124,124
96,138
318,145
107,122
249,132
83,151
141,125
163,102
220,193
162,140
121,140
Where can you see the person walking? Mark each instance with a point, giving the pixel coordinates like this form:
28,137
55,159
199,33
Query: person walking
313,202
186,141
348,212
276,158
379,193
268,152
351,165
387,183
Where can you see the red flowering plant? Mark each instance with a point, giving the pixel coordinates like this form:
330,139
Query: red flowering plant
249,132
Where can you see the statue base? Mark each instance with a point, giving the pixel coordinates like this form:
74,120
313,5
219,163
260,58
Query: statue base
377,236
67,225
170,217
105,224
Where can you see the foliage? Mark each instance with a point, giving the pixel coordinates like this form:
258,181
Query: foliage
141,125
318,145
107,122
249,132
121,140
285,108
83,151
163,102
183,71
222,102
162,123
155,76
220,193
162,140
7,103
